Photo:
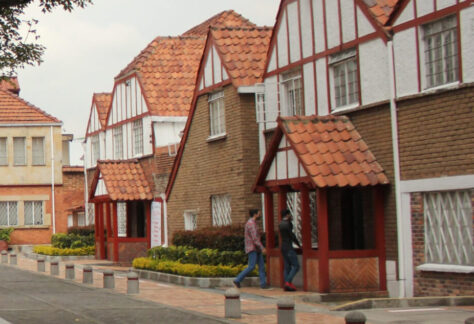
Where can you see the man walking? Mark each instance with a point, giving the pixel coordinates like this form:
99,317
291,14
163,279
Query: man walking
289,255
255,250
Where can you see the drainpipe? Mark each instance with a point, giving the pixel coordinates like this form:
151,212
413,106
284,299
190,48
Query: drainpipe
165,218
396,167
52,182
86,189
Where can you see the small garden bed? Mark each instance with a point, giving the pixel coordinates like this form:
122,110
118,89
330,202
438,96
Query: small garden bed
79,241
51,250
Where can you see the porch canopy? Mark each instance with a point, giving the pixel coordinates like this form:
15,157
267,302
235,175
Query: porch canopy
324,173
122,197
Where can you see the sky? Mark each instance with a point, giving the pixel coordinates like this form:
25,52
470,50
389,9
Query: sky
87,48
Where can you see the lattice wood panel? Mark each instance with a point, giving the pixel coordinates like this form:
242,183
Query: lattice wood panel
346,275
312,274
274,275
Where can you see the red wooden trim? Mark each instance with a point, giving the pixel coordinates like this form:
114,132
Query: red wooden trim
212,64
299,29
281,206
380,235
148,222
458,30
101,231
136,97
288,182
97,230
323,240
108,220
116,238
398,12
356,21
312,254
269,228
435,7
126,121
214,87
353,254
130,240
417,44
359,92
306,232
339,16
379,29
316,107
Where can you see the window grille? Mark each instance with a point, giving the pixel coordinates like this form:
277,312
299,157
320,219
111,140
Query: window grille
190,221
217,113
3,151
221,210
91,213
118,142
38,150
345,77
95,148
19,151
33,212
293,203
293,93
260,107
8,213
122,219
138,137
448,227
441,52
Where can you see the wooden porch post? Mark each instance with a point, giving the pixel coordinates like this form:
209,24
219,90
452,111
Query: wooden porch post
114,218
306,230
380,235
281,206
323,240
97,230
108,220
269,228
101,231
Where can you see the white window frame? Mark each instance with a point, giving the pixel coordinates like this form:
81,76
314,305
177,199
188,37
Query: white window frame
37,158
221,210
16,151
36,206
137,133
340,62
216,114
292,103
446,72
190,220
118,142
3,151
9,205
95,145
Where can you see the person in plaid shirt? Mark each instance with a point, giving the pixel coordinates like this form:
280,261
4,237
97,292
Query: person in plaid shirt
255,250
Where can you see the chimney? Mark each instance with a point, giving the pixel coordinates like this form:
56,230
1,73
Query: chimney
11,84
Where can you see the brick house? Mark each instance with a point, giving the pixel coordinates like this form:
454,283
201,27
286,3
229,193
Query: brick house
402,74
140,133
210,184
35,191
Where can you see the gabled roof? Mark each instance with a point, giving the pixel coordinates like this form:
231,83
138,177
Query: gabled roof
382,10
243,52
124,180
228,18
14,110
102,102
330,150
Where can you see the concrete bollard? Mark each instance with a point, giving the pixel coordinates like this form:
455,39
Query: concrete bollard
87,275
355,318
286,311
232,303
469,320
132,283
70,273
54,268
109,280
13,259
4,256
40,265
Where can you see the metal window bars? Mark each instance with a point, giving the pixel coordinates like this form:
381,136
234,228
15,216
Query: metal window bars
221,210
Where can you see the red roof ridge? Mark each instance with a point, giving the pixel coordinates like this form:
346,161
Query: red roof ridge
202,28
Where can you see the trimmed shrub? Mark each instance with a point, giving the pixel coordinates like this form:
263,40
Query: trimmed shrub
189,270
65,241
49,250
82,230
5,234
223,238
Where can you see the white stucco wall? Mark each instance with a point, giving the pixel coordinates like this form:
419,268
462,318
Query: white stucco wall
306,32
217,67
309,95
467,39
424,7
208,72
363,24
374,71
318,25
282,39
407,14
348,21
405,57
441,4
332,23
322,97
294,33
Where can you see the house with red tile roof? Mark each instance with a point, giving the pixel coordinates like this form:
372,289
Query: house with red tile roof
141,132
33,154
384,203
210,183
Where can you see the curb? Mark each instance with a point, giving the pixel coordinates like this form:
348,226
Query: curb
60,258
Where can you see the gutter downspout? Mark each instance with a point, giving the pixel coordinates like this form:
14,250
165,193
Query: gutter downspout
52,182
165,219
86,186
396,168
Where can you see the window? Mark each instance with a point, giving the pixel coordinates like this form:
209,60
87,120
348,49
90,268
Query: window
3,151
217,114
122,219
138,137
293,204
118,142
345,78
19,150
448,228
95,148
33,213
221,211
38,150
441,52
190,220
292,94
8,213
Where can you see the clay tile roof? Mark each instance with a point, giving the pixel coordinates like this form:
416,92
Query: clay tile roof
102,102
125,180
382,10
227,18
14,110
339,157
10,84
243,51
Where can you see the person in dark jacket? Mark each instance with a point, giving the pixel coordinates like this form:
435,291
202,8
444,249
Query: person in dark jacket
288,252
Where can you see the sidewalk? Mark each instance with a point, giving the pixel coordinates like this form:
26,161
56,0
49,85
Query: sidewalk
258,306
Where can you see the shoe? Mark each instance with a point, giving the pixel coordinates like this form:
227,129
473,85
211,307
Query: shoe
266,287
291,285
236,284
287,287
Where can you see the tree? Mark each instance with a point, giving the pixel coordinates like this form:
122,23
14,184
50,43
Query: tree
17,50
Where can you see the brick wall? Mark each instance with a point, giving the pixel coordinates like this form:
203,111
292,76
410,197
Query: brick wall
69,195
433,283
226,166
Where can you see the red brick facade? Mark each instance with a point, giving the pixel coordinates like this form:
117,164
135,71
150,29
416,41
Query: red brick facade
69,196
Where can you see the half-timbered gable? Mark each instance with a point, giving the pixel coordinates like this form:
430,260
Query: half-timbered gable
95,133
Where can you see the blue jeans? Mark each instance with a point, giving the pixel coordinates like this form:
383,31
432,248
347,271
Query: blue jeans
254,257
291,264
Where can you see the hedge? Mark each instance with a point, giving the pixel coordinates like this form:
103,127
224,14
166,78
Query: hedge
189,270
222,238
82,230
66,241
185,254
49,250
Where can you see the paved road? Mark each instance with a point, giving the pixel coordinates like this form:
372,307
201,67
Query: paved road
26,297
